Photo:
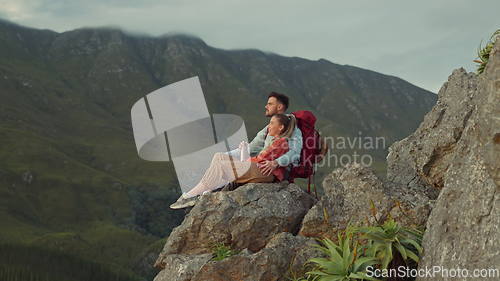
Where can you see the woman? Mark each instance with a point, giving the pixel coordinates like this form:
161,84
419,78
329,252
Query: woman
225,169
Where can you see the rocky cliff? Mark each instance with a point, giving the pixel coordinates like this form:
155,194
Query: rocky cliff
273,225
445,175
454,156
463,229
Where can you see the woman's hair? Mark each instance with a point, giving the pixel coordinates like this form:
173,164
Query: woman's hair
288,124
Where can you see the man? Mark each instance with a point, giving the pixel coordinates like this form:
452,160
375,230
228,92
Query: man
276,103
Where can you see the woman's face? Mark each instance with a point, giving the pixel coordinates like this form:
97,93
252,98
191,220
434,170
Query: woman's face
274,128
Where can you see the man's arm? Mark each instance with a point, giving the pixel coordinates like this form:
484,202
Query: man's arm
294,149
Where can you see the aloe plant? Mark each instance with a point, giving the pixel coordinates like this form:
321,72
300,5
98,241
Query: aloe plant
384,240
342,261
483,53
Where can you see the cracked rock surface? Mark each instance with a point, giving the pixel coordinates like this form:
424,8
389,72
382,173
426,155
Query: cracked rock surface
420,161
463,228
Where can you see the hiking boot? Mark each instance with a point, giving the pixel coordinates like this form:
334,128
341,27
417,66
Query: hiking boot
230,186
183,202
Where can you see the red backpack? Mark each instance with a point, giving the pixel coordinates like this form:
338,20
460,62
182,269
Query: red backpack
313,147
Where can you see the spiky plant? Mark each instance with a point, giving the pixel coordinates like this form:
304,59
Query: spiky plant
483,53
221,251
343,261
385,240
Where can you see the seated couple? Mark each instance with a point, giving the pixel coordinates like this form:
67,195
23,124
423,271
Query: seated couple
274,148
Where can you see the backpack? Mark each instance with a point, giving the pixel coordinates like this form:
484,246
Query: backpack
313,147
313,150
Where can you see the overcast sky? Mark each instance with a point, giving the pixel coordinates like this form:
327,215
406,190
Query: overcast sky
418,41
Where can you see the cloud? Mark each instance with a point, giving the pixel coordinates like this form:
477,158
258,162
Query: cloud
420,42
16,10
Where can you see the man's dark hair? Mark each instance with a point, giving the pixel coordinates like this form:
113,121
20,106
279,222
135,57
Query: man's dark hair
283,99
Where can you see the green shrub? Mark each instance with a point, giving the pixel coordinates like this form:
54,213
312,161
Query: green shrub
483,53
384,240
221,251
343,261
384,246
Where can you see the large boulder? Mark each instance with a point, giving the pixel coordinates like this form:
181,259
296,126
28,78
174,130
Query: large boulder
246,218
283,254
354,194
320,221
463,228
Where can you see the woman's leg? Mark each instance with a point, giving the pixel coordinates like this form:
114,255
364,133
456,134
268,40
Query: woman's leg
221,172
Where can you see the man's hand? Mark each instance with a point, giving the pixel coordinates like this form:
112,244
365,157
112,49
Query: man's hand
267,167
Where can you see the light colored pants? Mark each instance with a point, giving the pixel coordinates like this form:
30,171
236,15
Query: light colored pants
225,169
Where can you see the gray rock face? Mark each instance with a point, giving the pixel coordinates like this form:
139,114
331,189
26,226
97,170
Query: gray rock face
463,228
182,267
320,221
246,218
420,161
354,194
351,189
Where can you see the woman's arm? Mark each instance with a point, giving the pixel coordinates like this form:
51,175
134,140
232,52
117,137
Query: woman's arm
273,151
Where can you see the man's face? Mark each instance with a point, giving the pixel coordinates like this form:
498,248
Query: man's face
273,107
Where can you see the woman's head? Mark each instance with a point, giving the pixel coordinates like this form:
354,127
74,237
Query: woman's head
278,124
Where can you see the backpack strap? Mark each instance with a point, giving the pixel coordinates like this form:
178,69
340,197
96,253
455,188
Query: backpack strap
309,185
288,174
323,148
